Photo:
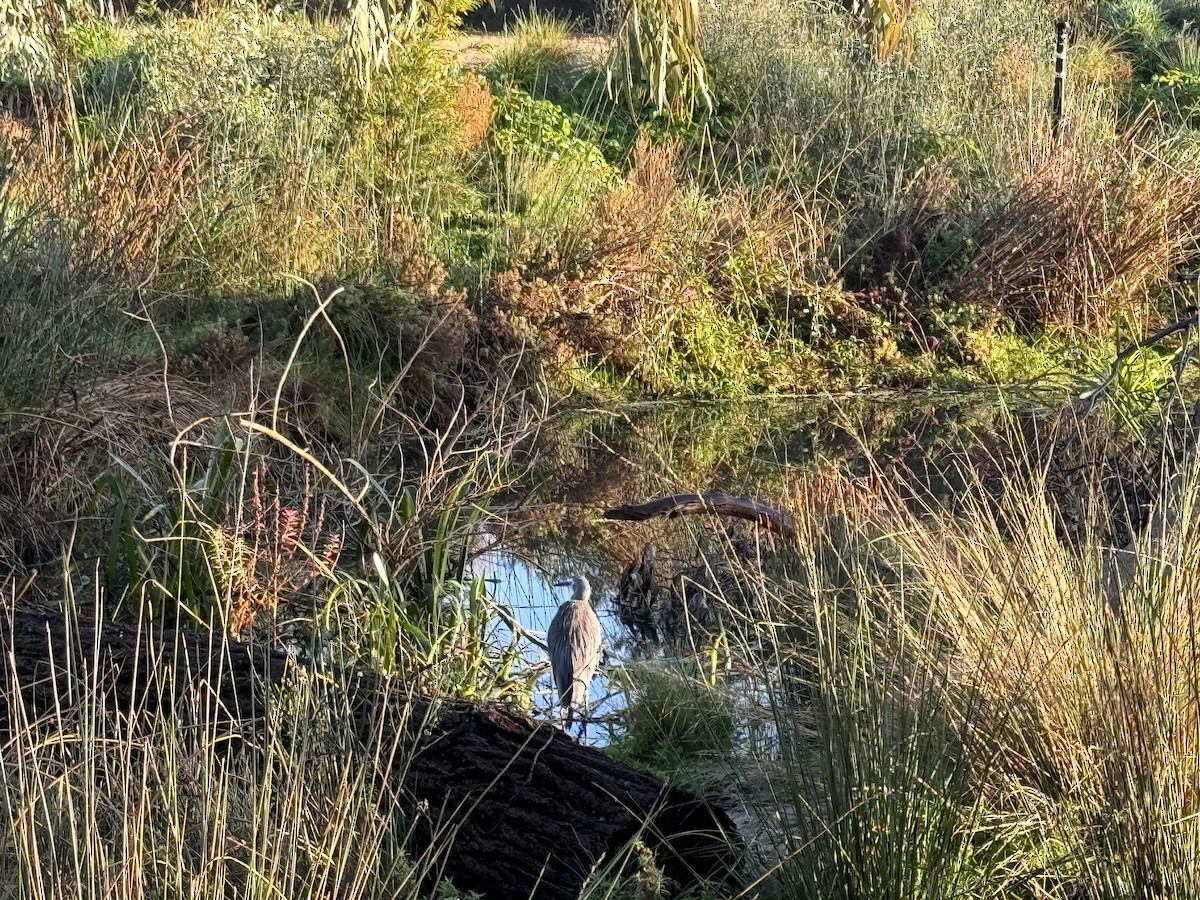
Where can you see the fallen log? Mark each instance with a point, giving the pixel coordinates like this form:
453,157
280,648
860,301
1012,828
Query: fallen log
537,813
53,662
499,803
713,503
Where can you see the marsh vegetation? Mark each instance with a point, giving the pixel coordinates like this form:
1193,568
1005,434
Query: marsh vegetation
317,320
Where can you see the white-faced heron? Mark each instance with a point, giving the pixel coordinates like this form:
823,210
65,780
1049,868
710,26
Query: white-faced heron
574,641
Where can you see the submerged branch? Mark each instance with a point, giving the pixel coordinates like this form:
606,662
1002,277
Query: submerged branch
1090,397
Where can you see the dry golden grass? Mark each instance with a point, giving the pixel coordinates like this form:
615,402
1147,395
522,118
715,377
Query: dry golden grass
1084,239
51,455
121,205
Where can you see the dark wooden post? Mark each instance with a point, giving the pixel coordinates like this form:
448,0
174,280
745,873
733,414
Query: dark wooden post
1062,38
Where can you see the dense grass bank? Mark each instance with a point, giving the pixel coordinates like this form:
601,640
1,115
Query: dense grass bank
838,221
906,699
917,704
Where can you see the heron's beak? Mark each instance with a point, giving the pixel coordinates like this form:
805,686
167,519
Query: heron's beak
562,584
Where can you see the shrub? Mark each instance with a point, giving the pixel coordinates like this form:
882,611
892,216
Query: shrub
1175,88
536,52
547,183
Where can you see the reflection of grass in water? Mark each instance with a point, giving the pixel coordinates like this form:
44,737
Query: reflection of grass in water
723,444
964,706
589,462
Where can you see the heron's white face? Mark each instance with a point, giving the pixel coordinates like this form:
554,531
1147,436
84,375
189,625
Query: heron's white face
580,589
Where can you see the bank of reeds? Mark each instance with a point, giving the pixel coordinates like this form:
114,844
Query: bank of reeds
936,703
99,804
248,525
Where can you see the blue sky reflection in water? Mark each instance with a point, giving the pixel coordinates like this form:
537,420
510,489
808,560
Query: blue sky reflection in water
528,594
532,600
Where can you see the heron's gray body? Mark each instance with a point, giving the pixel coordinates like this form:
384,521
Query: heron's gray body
574,641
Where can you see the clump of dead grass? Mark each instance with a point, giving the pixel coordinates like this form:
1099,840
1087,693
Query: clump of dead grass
1083,240
473,108
51,454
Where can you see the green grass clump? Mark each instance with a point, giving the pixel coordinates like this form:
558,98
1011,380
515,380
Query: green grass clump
536,54
1160,40
674,720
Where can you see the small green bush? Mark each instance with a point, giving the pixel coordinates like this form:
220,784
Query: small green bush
673,718
525,125
1176,93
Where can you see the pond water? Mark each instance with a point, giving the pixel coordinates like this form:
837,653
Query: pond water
587,462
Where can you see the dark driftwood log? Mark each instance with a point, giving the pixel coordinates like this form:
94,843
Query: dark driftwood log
714,502
51,660
552,810
501,804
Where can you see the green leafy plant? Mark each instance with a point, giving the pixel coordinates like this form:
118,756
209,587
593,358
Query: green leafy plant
524,124
1176,92
194,550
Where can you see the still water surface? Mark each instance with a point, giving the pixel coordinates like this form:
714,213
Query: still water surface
588,462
